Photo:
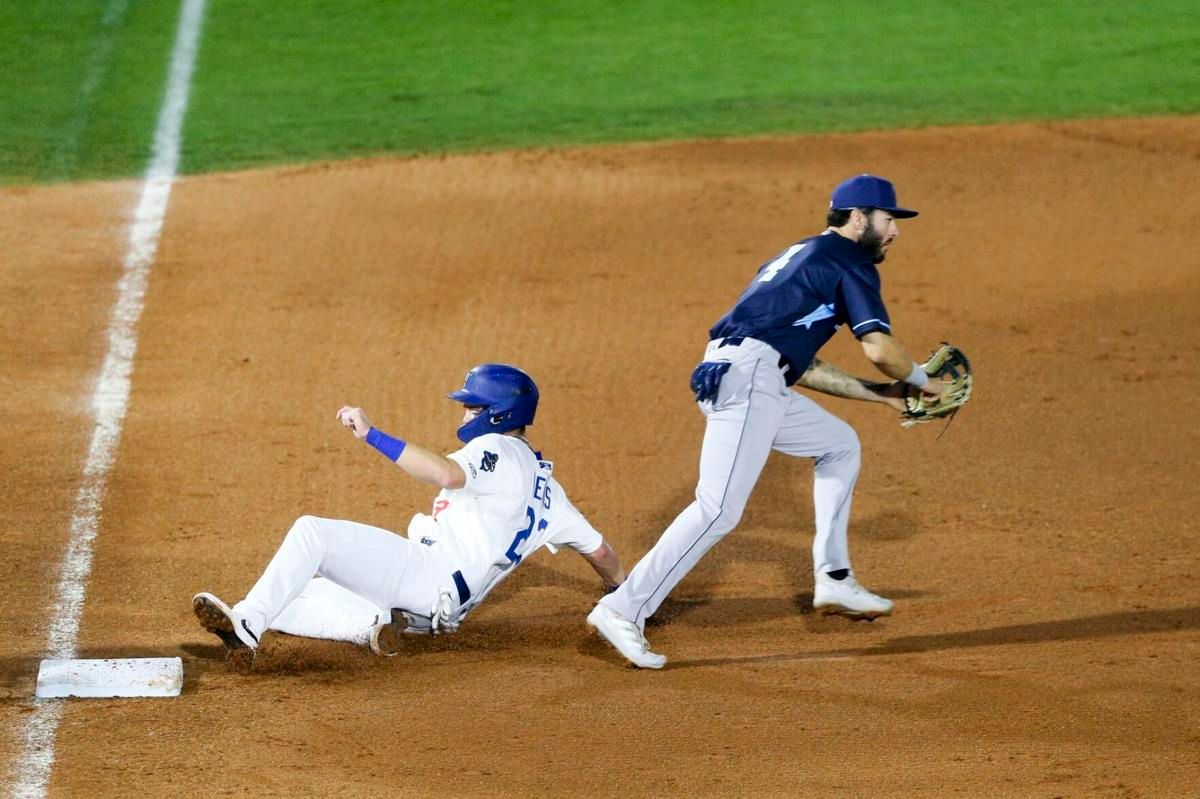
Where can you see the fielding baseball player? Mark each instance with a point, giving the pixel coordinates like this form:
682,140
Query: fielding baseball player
499,503
764,345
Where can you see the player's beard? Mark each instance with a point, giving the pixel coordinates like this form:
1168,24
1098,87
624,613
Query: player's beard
872,242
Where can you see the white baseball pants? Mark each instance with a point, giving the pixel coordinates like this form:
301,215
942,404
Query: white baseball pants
380,568
754,413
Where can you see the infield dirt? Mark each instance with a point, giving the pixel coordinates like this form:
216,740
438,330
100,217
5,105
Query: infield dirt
1042,553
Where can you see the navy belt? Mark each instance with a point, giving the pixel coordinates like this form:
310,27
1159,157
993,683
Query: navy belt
464,593
790,373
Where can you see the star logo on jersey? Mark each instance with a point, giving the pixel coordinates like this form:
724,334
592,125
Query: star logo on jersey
822,312
489,461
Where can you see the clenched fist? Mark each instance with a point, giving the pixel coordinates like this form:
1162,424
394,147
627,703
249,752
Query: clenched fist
355,419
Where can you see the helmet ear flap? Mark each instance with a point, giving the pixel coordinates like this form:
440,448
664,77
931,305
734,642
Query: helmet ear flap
469,431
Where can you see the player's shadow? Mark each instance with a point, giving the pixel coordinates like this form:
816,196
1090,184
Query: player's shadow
533,574
776,528
731,611
330,661
1108,625
18,677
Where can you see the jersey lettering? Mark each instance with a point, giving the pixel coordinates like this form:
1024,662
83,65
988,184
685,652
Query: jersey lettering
541,499
541,491
489,461
775,267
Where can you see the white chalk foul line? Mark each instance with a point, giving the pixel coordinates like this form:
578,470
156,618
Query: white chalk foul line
111,397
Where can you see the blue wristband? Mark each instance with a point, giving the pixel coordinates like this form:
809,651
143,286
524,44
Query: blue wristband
390,447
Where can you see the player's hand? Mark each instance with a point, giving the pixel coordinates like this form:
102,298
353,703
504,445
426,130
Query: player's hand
355,419
892,394
933,389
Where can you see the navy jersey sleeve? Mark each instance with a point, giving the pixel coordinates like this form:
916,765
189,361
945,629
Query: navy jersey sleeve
863,305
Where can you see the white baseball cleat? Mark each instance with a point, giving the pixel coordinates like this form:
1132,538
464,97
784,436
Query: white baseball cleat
215,616
625,636
848,598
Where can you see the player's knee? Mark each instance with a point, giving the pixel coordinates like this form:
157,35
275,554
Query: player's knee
306,527
844,447
852,446
718,514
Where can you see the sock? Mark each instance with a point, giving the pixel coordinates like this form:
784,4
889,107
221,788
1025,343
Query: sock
838,574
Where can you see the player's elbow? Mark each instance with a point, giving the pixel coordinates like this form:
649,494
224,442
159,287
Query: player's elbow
877,347
603,554
606,563
871,351
450,476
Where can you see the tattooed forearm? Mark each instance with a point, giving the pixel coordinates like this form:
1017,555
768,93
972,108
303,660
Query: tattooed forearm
829,379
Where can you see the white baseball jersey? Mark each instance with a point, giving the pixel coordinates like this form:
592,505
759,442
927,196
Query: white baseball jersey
510,506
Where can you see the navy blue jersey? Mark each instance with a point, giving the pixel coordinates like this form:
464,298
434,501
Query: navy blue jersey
799,299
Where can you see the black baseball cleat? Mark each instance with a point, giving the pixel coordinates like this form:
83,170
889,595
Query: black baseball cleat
240,642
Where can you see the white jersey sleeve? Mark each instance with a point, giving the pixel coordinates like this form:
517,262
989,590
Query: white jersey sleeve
480,461
570,528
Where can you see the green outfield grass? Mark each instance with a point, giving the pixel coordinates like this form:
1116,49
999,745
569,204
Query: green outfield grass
80,87
316,79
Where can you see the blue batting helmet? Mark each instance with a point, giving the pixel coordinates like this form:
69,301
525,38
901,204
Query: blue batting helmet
507,395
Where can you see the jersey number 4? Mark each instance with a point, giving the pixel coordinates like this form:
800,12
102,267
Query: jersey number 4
522,535
775,267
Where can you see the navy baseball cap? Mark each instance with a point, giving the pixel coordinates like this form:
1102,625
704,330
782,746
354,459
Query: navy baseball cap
868,191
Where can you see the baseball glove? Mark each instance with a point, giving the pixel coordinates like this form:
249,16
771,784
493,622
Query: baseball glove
948,364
